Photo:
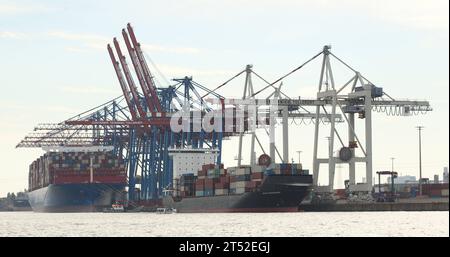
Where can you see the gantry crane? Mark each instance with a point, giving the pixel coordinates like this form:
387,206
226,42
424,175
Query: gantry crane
357,96
137,124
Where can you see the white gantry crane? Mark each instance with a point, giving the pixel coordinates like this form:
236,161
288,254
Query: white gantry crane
334,104
357,96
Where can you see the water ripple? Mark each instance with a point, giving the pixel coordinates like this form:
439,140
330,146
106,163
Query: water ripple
369,224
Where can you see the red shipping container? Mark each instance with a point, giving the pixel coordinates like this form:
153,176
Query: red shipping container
207,167
202,173
248,189
209,183
225,179
209,187
67,179
340,192
221,185
200,184
250,184
286,172
434,186
257,175
121,179
435,192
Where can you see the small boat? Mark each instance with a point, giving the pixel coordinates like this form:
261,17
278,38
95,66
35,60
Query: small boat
116,207
166,210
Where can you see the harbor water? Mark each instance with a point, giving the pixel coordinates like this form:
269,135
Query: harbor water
302,224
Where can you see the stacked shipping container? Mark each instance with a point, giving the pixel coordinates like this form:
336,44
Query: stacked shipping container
240,180
207,178
435,190
412,190
285,169
187,185
214,180
75,167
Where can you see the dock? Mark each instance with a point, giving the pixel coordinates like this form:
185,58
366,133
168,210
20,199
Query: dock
428,204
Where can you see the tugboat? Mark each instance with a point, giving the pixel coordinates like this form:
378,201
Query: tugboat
166,210
115,207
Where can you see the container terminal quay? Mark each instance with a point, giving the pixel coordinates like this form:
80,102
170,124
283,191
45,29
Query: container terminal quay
158,147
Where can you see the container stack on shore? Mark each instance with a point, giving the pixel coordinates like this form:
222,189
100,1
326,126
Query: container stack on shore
75,167
411,190
435,190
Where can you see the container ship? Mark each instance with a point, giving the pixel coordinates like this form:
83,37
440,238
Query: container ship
76,181
273,188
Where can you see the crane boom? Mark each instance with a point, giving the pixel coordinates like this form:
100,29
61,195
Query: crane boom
147,75
122,82
138,70
129,78
130,123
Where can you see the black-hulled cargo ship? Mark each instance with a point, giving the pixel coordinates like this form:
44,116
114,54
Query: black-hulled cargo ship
279,188
76,181
277,193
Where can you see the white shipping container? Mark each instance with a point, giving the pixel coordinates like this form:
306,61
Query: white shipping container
258,169
243,171
277,171
383,189
232,170
237,184
221,191
239,190
444,192
211,172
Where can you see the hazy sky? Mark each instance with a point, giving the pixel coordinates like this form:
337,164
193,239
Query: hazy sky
54,64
